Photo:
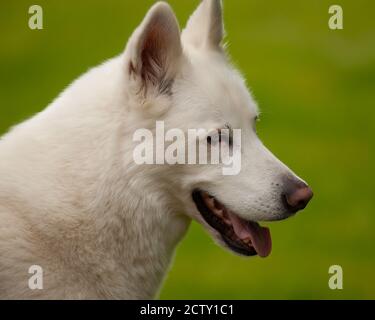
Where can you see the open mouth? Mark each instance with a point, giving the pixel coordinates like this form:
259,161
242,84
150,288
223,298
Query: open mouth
244,237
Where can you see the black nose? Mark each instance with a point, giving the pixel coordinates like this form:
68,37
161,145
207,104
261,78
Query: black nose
297,196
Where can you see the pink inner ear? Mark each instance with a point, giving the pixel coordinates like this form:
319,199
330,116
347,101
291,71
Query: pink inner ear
153,59
157,50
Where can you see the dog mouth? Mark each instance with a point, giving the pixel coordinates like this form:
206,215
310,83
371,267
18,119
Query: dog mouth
241,236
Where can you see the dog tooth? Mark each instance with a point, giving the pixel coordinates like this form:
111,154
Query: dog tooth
219,212
227,220
218,205
247,240
211,203
205,196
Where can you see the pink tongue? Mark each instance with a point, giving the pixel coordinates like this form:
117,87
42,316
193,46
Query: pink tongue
260,236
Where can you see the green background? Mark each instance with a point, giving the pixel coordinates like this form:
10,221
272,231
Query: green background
316,89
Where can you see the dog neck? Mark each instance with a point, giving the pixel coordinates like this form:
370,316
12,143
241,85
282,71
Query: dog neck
139,234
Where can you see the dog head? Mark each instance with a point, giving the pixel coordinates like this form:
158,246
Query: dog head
187,80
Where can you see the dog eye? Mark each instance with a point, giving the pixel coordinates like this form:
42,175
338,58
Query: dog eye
219,136
214,137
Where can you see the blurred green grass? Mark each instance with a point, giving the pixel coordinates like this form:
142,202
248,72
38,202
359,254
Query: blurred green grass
316,88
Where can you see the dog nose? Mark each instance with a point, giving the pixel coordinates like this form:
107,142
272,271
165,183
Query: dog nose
297,196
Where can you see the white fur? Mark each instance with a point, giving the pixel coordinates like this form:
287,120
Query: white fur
73,201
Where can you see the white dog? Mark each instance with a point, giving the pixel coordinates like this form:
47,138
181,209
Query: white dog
73,201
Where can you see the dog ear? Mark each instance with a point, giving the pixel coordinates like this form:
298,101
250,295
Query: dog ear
205,28
154,50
